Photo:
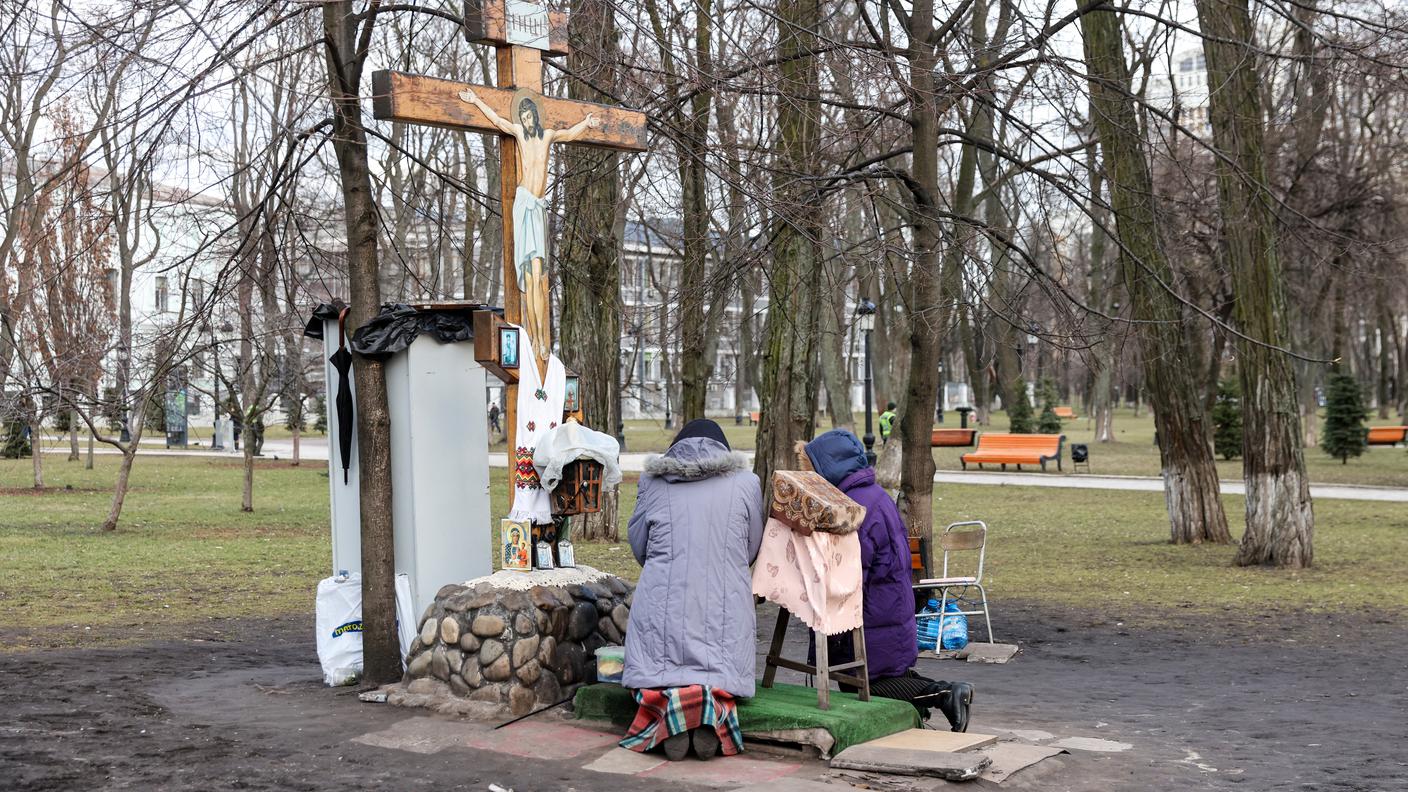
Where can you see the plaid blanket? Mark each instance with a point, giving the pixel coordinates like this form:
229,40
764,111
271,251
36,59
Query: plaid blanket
664,712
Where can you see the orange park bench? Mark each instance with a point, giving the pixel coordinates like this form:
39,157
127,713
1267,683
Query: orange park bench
952,438
1065,413
1388,435
754,417
1015,449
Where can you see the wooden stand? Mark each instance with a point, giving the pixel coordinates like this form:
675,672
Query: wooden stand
823,670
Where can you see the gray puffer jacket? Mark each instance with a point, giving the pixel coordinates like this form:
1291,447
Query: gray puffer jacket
696,528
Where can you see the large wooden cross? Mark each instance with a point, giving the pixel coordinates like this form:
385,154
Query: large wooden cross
521,32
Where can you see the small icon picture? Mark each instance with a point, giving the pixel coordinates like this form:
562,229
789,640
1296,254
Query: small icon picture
508,347
516,538
572,396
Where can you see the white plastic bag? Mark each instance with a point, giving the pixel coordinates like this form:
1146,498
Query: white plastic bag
338,618
406,627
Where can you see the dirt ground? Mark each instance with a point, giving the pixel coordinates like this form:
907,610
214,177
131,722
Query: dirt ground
1277,703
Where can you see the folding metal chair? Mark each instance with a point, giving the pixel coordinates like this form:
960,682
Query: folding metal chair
973,536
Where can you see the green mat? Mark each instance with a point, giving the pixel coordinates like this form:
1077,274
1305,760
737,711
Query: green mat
778,708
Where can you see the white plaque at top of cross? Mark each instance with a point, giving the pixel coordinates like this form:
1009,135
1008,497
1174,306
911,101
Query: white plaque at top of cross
526,23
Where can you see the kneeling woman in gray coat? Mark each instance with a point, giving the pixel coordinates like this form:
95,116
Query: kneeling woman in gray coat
690,649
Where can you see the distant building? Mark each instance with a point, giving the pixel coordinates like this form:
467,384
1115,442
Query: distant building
1181,94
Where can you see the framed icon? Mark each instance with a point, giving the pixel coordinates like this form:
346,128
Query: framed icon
572,395
516,535
508,347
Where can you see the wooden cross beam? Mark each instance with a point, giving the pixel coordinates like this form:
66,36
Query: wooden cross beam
430,101
527,124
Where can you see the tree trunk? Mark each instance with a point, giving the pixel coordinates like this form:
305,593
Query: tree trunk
927,320
1190,473
787,389
73,450
381,651
119,490
36,451
1385,357
835,369
247,496
1102,410
1280,519
591,252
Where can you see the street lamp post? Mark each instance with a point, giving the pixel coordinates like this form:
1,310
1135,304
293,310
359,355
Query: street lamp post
217,335
939,408
865,322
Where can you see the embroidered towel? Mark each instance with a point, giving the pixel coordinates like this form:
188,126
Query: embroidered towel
539,410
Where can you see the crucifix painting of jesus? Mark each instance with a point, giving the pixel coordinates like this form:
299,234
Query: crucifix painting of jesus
530,206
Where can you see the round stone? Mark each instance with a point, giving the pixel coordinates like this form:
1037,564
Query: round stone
523,624
439,664
481,597
471,673
608,629
524,650
581,592
548,690
416,646
542,620
449,590
490,651
559,621
520,700
491,693
487,625
582,621
617,585
420,664
621,617
498,671
543,598
426,686
515,600
427,631
469,643
454,659
593,642
529,672
568,661
449,630
546,650
459,687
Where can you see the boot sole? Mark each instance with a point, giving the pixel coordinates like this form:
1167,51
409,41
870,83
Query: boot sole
676,746
705,742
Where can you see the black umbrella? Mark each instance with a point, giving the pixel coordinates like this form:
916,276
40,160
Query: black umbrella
342,361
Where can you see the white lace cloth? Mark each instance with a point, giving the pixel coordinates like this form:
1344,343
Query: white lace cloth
571,441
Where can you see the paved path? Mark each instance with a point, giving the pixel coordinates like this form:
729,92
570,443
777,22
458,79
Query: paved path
316,448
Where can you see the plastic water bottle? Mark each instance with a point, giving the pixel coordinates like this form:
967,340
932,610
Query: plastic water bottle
928,627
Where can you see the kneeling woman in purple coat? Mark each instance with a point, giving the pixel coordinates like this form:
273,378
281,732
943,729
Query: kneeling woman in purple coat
690,644
891,644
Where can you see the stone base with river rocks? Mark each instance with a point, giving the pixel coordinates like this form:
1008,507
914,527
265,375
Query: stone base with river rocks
513,641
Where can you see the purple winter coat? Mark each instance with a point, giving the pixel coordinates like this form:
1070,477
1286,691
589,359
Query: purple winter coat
891,646
697,525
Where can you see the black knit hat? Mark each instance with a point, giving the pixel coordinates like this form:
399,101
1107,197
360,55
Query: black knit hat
702,427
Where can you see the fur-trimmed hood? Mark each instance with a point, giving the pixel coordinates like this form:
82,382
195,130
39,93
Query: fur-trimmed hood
694,459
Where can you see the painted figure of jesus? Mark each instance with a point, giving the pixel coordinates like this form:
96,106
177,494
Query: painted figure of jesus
530,207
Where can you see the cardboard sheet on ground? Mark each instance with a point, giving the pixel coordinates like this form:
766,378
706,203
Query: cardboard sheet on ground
908,761
982,652
932,740
1009,757
780,710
